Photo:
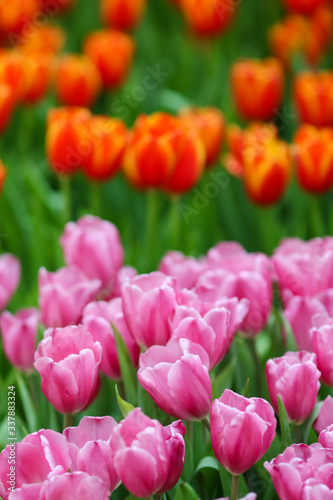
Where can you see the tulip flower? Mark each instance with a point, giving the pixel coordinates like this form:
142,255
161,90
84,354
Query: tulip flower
313,98
149,458
125,273
303,6
37,457
63,295
94,246
295,378
314,158
57,6
19,335
185,269
149,302
257,87
100,44
98,317
68,362
15,15
67,141
10,275
208,17
326,437
232,417
90,450
322,346
77,81
39,68
109,137
122,14
46,40
3,173
14,72
176,377
294,469
210,124
325,417
7,102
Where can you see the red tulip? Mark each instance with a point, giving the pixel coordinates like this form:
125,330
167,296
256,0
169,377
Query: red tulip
303,6
208,17
314,98
122,14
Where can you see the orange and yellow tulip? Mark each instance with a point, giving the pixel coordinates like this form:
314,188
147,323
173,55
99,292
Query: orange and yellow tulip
122,14
303,6
39,69
67,140
210,125
3,173
208,17
313,94
15,15
14,72
112,53
108,141
46,40
77,81
314,158
257,87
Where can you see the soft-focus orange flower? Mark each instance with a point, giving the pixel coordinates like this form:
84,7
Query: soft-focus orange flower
14,72
257,87
77,81
108,140
15,15
208,17
122,14
3,173
67,140
47,40
242,143
39,67
55,7
314,158
210,125
112,52
267,171
309,36
161,153
303,6
7,103
313,94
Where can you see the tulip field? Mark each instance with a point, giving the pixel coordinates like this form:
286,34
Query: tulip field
166,249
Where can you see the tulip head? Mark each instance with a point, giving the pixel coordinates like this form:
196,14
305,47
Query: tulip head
208,17
122,14
313,97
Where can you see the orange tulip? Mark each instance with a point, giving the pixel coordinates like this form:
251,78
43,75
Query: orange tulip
15,15
313,94
242,143
314,158
15,73
3,173
67,139
39,68
77,81
303,6
257,87
161,153
7,102
112,52
210,125
108,141
47,40
122,14
208,17
267,172
54,7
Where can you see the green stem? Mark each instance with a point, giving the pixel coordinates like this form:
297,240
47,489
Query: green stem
206,423
95,198
68,420
65,184
151,217
234,487
174,223
256,361
298,434
317,226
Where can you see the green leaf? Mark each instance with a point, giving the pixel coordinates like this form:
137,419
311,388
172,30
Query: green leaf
128,372
309,422
284,424
124,406
246,389
208,463
185,492
27,403
224,379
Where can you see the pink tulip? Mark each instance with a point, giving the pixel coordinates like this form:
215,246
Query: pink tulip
94,246
295,378
314,490
125,274
63,295
19,334
242,430
10,275
297,466
326,437
149,302
211,331
176,377
90,449
322,346
98,318
149,458
37,457
185,269
76,486
68,361
325,417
